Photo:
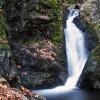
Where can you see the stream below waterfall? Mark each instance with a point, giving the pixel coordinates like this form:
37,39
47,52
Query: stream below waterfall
76,59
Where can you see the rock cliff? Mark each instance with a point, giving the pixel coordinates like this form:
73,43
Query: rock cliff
90,77
36,39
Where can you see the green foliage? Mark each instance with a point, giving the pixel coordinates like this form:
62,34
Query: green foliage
56,8
2,33
97,28
54,3
71,2
2,28
94,58
27,41
87,13
4,46
90,27
57,36
96,53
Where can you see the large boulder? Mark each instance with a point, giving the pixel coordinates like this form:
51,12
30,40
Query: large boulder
29,75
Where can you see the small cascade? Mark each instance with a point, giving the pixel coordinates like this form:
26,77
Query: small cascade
76,54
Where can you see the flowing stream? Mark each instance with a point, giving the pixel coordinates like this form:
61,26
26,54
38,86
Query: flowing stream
76,54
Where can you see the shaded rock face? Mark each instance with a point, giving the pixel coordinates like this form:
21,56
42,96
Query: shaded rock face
31,18
90,77
36,55
91,74
35,35
7,66
31,75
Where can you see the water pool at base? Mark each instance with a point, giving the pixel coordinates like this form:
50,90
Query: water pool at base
76,94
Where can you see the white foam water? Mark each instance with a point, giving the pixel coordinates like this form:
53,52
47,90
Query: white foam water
76,54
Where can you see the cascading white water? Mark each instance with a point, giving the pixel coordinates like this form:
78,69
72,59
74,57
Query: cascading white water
75,49
76,54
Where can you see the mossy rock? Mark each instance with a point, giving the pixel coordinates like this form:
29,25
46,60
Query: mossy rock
4,46
93,60
2,28
90,78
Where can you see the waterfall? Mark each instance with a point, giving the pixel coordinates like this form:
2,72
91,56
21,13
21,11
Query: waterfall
76,54
75,49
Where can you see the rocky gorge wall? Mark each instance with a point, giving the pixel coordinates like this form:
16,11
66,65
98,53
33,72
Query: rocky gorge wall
36,39
90,78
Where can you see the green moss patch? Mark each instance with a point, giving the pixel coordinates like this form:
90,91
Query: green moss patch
2,28
57,36
96,53
4,46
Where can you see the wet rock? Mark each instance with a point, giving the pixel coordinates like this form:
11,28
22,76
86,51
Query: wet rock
77,7
90,78
63,75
